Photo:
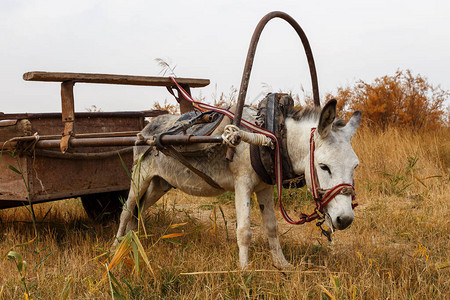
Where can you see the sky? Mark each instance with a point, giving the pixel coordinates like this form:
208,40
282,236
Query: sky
350,40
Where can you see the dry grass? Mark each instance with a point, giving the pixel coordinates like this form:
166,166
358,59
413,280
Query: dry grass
397,247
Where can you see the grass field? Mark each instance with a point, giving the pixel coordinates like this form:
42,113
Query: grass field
396,248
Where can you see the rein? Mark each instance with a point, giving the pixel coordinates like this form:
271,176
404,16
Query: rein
321,196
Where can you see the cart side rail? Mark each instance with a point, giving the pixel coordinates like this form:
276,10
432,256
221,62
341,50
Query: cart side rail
112,79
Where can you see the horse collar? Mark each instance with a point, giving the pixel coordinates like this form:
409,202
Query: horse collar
272,112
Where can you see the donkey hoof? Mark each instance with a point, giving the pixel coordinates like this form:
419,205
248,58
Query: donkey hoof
283,265
114,245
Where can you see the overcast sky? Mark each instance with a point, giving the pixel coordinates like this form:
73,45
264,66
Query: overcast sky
350,40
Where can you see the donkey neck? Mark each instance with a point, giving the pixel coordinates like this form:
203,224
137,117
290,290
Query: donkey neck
298,135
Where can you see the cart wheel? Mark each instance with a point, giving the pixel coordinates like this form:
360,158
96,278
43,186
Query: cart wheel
104,207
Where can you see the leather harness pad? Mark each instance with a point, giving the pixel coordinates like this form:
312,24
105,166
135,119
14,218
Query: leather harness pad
272,111
196,123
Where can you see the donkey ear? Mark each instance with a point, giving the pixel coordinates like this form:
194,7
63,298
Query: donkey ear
353,124
327,117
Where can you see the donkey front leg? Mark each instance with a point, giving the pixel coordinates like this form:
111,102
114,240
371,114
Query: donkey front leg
265,200
244,235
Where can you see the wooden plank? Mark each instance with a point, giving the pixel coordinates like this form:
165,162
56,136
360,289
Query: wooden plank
185,106
112,79
105,114
68,113
67,101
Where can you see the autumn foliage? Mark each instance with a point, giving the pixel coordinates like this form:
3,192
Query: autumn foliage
401,100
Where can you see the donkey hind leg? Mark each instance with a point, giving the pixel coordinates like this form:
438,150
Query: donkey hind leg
265,200
243,232
150,190
157,188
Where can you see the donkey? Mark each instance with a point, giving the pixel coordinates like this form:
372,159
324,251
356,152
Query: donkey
335,162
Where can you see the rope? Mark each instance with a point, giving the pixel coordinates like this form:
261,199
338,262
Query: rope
232,136
82,155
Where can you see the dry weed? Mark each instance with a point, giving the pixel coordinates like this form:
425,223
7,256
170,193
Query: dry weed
397,247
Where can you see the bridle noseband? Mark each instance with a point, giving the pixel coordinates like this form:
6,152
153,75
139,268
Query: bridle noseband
321,196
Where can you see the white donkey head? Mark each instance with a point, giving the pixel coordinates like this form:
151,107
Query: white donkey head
334,162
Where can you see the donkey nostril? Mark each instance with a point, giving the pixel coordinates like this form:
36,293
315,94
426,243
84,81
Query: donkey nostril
343,222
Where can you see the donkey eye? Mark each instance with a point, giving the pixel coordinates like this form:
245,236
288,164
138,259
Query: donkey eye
325,168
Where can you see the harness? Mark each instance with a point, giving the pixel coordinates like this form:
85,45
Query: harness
321,196
272,112
191,123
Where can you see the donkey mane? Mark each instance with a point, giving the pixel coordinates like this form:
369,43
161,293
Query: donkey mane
304,113
311,113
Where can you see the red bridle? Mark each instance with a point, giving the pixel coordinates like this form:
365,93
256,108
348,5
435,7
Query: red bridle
321,196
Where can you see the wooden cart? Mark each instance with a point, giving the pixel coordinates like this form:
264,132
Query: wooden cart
41,160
